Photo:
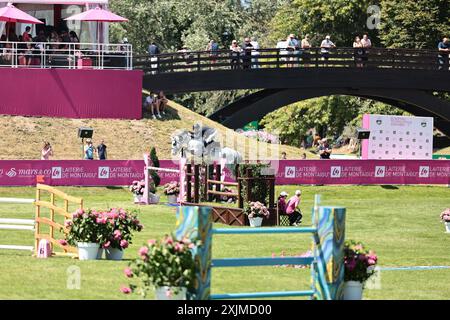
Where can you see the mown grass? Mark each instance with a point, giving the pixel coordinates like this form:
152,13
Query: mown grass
400,223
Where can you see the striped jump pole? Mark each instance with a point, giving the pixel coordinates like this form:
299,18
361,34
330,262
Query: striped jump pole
327,262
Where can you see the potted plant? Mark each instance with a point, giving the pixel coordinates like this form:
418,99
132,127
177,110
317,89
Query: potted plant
445,218
172,189
137,188
86,230
256,212
166,265
120,227
359,266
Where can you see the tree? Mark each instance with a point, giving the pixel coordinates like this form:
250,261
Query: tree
327,115
342,19
414,24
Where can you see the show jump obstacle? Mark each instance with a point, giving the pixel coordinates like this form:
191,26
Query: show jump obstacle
327,261
51,222
44,227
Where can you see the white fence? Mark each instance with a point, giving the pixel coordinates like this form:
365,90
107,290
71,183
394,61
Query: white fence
17,224
66,55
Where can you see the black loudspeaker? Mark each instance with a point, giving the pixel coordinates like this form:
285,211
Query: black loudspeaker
363,134
85,133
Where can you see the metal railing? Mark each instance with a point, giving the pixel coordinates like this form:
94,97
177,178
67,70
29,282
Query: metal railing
281,58
66,55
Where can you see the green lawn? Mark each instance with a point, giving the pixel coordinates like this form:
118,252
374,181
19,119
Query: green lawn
400,223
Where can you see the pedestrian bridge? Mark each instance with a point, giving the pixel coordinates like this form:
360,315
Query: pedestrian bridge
404,78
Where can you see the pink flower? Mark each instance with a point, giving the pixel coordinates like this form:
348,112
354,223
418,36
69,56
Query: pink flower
143,251
371,262
125,290
179,247
151,241
62,242
169,293
124,244
191,246
107,244
128,272
169,240
117,234
68,223
101,220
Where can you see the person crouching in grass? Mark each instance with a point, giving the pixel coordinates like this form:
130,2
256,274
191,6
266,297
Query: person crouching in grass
293,210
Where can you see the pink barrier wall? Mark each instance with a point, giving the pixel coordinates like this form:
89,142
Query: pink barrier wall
289,172
66,93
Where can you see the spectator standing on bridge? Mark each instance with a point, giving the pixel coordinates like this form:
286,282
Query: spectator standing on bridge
213,48
47,151
325,47
293,48
359,52
444,50
235,54
247,48
255,53
153,51
293,210
306,54
367,44
101,151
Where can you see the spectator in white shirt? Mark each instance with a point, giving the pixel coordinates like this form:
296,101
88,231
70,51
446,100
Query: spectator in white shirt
325,47
255,53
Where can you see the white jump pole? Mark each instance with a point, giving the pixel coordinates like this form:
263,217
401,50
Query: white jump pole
182,177
146,177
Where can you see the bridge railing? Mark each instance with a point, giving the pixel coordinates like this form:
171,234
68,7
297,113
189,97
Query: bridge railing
282,58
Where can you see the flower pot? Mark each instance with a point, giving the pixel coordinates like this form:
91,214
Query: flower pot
255,222
138,198
153,198
162,293
114,254
172,198
447,226
100,253
353,290
87,250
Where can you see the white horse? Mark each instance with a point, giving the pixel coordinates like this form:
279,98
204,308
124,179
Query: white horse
202,146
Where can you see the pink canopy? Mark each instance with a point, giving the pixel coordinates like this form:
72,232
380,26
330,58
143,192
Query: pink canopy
99,15
12,14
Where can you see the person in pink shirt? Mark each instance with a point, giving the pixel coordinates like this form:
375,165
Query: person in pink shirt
293,210
47,151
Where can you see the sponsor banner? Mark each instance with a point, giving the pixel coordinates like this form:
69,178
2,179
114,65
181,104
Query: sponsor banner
77,172
398,137
288,172
374,172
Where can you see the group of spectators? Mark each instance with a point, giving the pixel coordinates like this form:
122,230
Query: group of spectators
156,102
292,50
30,48
89,150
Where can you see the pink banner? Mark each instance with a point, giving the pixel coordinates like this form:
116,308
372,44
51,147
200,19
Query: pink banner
289,172
74,94
375,172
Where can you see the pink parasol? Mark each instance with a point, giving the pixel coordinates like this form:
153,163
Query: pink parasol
12,14
98,15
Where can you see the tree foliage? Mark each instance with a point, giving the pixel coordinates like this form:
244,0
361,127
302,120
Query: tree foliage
327,115
414,24
342,19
